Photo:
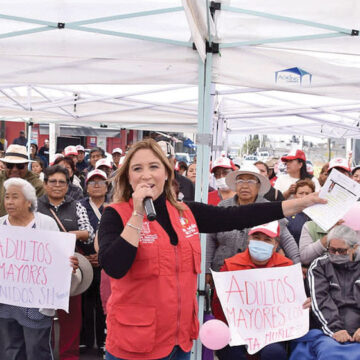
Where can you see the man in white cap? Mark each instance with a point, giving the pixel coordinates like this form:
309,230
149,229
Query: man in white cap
186,187
261,253
16,162
81,163
116,155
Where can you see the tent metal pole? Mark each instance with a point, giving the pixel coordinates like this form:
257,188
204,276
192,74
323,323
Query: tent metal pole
128,16
286,18
53,128
281,39
205,106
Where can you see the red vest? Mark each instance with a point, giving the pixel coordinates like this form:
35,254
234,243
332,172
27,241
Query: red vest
154,306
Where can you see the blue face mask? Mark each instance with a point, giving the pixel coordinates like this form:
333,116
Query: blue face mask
260,250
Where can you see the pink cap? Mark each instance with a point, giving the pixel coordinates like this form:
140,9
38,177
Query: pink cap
223,162
96,172
271,229
296,154
339,163
80,148
103,162
70,150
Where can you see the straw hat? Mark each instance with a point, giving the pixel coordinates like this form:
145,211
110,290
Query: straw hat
83,277
16,154
250,170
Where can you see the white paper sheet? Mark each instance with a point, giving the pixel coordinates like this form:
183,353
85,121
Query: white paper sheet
341,193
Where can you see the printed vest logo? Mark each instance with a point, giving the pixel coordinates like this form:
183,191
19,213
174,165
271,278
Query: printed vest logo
189,229
146,237
293,76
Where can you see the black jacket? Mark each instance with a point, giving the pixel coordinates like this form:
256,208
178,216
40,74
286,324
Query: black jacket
186,188
335,294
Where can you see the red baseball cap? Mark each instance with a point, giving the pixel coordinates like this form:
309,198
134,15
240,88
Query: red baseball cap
271,229
223,162
296,154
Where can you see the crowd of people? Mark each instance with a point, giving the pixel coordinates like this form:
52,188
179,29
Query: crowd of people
141,303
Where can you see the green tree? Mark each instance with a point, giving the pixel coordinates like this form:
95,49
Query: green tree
250,146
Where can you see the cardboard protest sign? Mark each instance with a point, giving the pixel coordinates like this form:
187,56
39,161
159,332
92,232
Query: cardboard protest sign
263,306
35,270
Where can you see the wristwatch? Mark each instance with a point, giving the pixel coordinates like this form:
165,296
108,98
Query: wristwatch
136,213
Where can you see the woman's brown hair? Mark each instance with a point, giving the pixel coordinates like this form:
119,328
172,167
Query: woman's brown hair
122,187
305,182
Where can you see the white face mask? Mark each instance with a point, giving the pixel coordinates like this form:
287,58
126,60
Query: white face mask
221,184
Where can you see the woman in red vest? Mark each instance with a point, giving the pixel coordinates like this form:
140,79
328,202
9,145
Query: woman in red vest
153,265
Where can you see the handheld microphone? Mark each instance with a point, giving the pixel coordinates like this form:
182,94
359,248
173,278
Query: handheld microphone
149,209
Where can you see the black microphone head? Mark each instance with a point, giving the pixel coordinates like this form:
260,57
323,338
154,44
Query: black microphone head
151,217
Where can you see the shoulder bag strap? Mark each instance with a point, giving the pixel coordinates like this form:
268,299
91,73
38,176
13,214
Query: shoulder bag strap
95,209
58,220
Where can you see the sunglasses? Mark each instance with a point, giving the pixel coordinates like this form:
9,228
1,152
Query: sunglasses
18,166
340,251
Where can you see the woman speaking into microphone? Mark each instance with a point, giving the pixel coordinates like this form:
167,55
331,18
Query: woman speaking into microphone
153,265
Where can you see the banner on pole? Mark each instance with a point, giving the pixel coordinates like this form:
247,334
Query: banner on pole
263,306
35,270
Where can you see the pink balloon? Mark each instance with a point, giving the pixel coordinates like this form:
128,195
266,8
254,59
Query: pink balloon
352,217
214,334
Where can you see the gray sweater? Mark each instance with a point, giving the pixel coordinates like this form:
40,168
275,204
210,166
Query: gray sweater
222,245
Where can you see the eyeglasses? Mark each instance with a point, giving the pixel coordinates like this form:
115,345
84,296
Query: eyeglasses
341,251
18,166
248,182
93,183
57,182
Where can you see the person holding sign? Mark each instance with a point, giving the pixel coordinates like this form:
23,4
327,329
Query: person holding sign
261,253
335,294
250,187
25,332
153,265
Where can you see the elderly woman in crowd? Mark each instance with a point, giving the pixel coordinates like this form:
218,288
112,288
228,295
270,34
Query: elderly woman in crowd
74,186
152,310
335,294
72,217
25,332
250,186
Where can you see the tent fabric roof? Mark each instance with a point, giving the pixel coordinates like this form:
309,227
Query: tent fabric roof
102,66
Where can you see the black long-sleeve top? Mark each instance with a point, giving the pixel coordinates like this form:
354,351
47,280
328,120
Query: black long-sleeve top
116,255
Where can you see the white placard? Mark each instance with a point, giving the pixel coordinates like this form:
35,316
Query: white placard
341,192
263,306
35,270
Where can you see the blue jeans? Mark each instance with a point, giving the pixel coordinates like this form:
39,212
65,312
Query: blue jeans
176,354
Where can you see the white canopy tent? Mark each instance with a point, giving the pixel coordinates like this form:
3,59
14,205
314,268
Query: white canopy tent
64,62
